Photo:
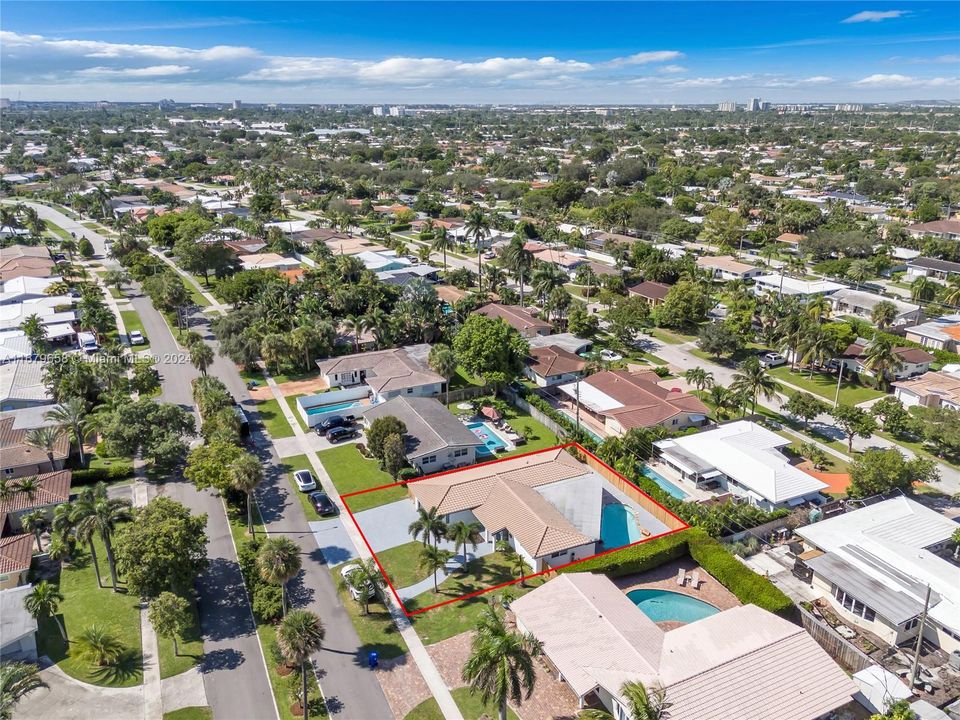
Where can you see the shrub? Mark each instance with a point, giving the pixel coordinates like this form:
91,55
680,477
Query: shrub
267,601
407,473
91,476
638,558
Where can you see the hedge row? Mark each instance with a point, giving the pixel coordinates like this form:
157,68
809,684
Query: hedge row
91,476
638,558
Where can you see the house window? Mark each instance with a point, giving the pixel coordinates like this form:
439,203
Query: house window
558,554
409,391
675,421
429,459
8,471
911,624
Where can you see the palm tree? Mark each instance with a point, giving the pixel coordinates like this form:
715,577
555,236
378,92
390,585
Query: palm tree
477,226
355,326
818,308
98,645
102,517
462,534
428,525
201,355
16,680
883,314
72,415
859,271
7,490
955,537
28,486
518,566
365,575
441,242
500,666
44,602
432,560
753,380
443,362
881,358
75,513
36,522
952,295
698,377
299,635
245,474
644,704
519,261
32,326
923,288
279,561
818,348
45,438
116,279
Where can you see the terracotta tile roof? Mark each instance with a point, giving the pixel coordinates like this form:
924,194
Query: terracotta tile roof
16,552
515,316
15,452
644,403
906,354
650,289
54,488
547,361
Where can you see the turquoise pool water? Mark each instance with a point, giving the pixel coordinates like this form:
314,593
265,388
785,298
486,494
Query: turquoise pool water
666,606
665,485
331,408
618,527
492,442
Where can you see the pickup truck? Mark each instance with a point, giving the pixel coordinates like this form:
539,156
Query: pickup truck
772,360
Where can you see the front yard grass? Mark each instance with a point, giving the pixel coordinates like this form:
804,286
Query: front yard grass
400,563
131,321
281,684
825,385
377,631
470,704
289,466
195,712
457,617
190,647
671,337
85,605
273,419
292,404
350,472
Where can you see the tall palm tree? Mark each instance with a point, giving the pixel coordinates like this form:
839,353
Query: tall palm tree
859,271
500,666
429,525
432,560
644,704
923,288
32,326
519,261
28,486
16,680
477,226
299,635
355,326
102,517
44,602
698,377
883,314
72,415
881,358
79,510
36,522
952,295
278,562
818,348
8,490
462,534
245,474
441,242
753,380
201,355
443,361
45,438
818,308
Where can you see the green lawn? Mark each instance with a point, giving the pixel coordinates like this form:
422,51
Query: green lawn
469,703
289,466
350,472
917,447
400,564
85,605
376,629
281,684
190,713
273,419
464,379
196,296
825,385
671,337
444,622
131,321
292,377
190,649
57,231
292,404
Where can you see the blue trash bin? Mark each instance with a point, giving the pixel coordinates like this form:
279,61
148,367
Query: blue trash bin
373,659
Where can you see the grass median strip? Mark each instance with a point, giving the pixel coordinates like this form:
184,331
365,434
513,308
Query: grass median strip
273,419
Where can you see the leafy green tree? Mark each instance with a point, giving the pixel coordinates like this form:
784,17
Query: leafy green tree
278,562
717,340
17,679
685,305
394,455
164,548
380,429
299,635
85,248
491,349
892,414
209,465
146,378
501,662
153,430
628,316
43,603
854,421
170,616
805,406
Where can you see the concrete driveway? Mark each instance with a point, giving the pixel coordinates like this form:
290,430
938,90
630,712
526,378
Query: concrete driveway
386,526
74,699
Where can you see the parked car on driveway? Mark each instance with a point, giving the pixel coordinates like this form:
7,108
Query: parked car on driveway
136,338
354,592
339,434
610,355
323,504
334,421
304,480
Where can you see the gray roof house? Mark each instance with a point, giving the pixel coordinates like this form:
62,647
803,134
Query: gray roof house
435,439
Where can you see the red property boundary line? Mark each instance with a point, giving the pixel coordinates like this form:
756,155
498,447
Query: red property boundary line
467,596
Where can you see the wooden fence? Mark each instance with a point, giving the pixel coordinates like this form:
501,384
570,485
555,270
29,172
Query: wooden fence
851,658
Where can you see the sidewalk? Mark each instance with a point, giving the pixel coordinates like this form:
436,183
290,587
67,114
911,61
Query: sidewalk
214,303
418,651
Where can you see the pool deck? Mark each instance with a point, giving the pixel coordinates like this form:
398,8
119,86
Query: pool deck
665,578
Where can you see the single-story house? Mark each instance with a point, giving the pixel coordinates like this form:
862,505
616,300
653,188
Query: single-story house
25,288
913,361
388,373
933,268
875,563
621,400
793,240
18,628
860,303
552,365
568,341
944,229
932,389
786,285
566,261
53,488
653,292
25,261
521,319
724,267
268,261
435,439
16,554
940,334
22,386
742,458
743,662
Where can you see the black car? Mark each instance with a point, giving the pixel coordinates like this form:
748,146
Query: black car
339,434
322,504
334,421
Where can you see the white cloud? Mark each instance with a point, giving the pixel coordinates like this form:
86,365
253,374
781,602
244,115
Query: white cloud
881,80
875,16
137,72
672,69
645,58
710,81
817,80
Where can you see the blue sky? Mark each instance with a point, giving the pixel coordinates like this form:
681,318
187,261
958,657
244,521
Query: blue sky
506,52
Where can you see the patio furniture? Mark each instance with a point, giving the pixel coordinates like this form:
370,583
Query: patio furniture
681,577
695,580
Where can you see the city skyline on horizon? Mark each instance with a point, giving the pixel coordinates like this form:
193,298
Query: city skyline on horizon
574,54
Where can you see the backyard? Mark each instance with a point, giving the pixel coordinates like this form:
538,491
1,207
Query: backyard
350,472
539,437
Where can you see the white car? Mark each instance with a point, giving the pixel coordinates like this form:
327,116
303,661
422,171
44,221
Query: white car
304,480
772,360
354,593
136,338
610,355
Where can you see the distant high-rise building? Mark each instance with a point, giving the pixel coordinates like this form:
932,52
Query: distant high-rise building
849,107
398,111
380,110
4,102
727,106
765,105
237,104
754,105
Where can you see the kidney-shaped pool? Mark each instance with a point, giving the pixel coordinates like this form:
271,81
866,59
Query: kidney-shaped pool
666,606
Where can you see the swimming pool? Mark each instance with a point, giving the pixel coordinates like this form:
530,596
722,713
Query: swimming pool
492,442
331,408
666,606
665,485
618,526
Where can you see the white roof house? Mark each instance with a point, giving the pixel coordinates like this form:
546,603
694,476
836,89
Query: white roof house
24,288
792,286
885,555
746,459
46,308
861,303
744,657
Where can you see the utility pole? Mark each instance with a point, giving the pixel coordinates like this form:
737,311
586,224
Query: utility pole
916,654
578,405
836,398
